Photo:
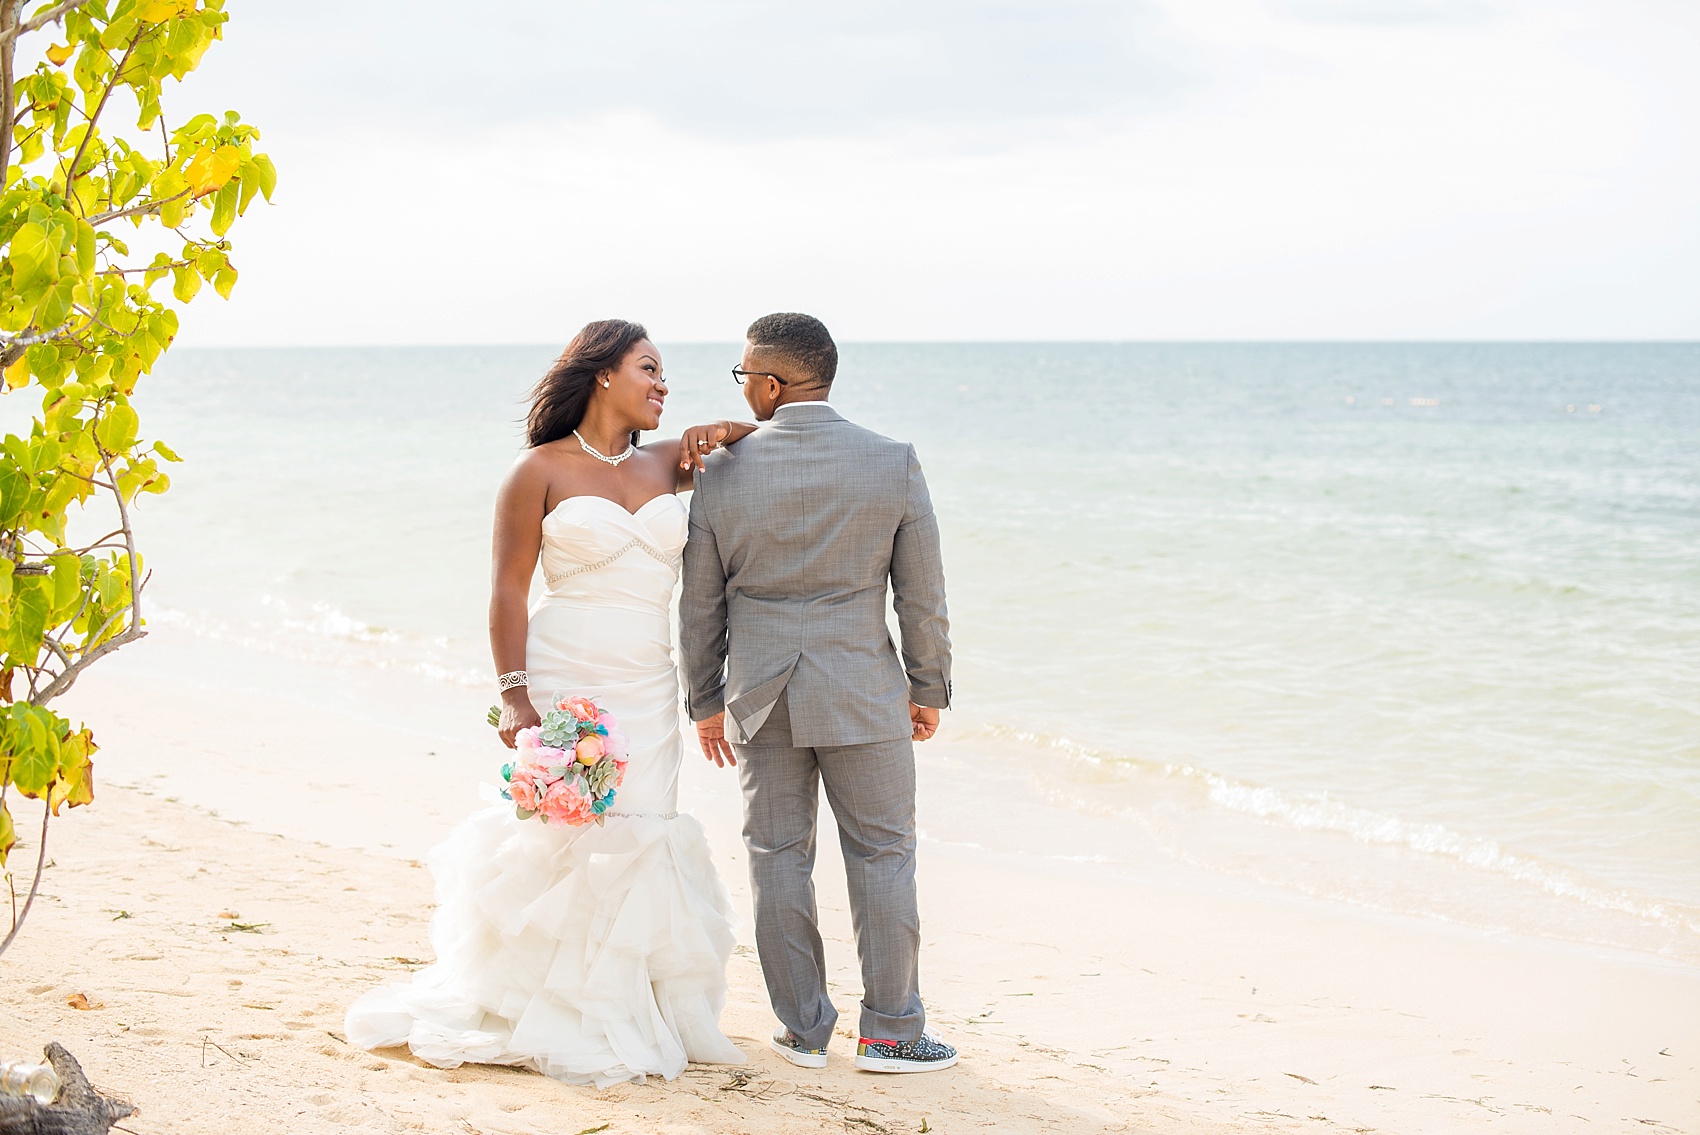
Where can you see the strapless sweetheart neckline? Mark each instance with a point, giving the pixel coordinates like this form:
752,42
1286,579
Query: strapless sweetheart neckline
564,501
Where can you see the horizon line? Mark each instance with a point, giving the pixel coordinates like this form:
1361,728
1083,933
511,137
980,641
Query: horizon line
1224,342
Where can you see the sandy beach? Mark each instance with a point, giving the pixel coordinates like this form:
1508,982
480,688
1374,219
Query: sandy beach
1307,397
252,864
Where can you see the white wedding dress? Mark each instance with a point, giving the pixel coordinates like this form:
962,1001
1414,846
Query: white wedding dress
591,954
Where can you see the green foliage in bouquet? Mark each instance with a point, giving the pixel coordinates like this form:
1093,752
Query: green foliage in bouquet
80,324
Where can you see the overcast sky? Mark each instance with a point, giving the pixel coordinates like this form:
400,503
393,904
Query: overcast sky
965,169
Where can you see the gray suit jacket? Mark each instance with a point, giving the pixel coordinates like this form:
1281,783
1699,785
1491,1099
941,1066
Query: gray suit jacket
794,532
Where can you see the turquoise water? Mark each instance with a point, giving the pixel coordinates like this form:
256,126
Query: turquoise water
1415,626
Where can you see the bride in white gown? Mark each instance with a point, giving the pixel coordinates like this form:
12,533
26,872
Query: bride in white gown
592,954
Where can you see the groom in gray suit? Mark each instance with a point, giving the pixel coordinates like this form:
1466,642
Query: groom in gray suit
792,675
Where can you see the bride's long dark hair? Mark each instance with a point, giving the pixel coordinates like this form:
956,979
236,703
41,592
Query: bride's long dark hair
559,399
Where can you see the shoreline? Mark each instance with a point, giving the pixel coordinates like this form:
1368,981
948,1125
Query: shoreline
1157,998
1133,821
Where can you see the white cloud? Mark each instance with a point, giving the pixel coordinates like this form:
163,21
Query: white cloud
1216,168
738,69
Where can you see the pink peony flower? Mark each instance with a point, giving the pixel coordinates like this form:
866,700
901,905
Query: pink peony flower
582,708
616,744
562,804
523,789
528,739
590,750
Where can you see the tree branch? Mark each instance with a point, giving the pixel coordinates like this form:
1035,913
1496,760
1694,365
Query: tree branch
82,147
144,207
100,543
35,883
95,319
9,11
65,681
143,270
11,346
68,677
39,20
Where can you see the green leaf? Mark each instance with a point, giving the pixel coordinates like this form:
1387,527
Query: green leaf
250,189
181,39
116,432
31,608
225,282
85,247
198,128
75,783
19,452
185,282
8,833
118,31
66,573
147,348
61,492
224,207
165,451
56,304
46,452
29,252
267,175
35,759
14,495
44,361
109,585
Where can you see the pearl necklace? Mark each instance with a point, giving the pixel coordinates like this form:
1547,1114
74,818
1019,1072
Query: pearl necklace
603,457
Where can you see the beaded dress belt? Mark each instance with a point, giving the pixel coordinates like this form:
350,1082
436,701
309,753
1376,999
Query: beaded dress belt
641,815
656,553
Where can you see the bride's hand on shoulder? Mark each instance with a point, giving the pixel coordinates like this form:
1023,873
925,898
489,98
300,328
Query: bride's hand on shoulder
700,441
517,713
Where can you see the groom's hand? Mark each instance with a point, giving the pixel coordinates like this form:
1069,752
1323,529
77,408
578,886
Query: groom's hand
711,735
925,719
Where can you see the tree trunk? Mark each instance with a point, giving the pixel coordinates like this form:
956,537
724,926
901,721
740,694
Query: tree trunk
79,1110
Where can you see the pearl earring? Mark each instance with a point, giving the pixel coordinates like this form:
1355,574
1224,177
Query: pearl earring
605,384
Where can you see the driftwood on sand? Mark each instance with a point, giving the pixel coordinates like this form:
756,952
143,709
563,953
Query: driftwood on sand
79,1110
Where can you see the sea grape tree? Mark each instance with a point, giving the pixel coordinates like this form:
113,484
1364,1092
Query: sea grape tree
105,230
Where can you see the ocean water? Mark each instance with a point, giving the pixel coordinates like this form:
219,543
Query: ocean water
1415,627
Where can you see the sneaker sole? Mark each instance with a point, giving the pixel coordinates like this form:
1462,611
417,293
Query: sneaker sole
886,1064
800,1059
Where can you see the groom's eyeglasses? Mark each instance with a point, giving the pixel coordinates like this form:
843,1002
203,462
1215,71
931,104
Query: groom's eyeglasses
739,374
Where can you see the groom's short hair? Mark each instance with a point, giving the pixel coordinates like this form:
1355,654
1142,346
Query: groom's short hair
801,339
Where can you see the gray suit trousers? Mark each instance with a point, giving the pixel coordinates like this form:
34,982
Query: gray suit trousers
872,792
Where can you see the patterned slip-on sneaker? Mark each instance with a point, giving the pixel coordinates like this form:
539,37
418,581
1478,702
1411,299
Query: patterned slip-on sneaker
789,1045
929,1054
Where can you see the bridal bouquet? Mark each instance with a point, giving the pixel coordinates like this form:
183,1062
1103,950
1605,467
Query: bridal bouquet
569,766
